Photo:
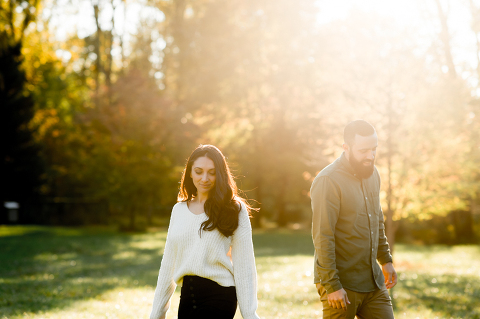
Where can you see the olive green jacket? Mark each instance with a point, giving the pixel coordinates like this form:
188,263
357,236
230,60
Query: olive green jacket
348,229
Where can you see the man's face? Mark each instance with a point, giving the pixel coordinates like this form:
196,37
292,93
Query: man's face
361,154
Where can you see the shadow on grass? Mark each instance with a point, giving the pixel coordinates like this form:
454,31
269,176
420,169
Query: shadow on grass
49,269
45,268
451,296
441,279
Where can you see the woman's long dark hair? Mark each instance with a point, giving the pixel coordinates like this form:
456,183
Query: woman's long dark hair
223,204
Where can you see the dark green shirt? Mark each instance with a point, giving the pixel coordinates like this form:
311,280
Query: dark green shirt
348,230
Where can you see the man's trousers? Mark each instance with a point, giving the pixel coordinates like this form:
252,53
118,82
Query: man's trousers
365,305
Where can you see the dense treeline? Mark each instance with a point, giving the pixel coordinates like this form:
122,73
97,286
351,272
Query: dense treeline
99,126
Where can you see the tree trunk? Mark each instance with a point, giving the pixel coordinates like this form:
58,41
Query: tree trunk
445,38
122,37
282,217
257,218
476,28
98,64
178,27
149,214
389,224
132,217
108,48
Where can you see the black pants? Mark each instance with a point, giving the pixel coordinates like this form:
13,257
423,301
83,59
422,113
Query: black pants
204,298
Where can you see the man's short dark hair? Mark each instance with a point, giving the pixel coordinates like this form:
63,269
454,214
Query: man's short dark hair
360,127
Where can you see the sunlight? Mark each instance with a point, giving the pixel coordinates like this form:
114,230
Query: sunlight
79,18
420,16
404,12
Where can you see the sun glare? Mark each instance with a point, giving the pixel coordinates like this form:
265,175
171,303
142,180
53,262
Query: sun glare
418,15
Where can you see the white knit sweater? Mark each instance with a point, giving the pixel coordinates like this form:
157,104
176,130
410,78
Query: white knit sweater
186,253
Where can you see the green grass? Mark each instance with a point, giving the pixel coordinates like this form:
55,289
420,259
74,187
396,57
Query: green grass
59,272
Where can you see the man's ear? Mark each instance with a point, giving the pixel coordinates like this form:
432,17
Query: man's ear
345,147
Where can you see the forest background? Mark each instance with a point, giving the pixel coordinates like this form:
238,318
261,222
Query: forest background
102,102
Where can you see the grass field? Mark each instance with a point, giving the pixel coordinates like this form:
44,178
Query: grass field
53,272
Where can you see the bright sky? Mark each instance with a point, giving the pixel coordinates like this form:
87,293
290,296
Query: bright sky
421,14
70,16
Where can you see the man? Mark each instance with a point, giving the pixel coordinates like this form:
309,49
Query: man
348,232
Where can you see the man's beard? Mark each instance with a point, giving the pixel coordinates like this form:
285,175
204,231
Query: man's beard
362,171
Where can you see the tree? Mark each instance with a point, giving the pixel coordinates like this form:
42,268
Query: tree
251,92
386,79
21,167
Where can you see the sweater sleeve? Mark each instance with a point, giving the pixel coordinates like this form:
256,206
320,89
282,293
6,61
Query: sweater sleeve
165,283
244,271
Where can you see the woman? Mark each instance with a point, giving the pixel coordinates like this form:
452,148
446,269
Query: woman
208,220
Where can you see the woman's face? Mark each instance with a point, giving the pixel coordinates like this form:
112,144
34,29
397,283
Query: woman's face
203,175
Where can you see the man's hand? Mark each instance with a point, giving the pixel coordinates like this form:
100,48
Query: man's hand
390,275
338,299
